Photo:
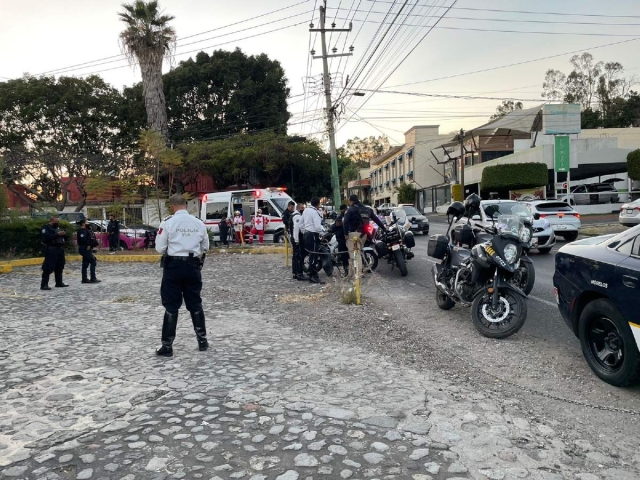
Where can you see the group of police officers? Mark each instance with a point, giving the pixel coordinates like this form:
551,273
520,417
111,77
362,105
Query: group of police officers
183,241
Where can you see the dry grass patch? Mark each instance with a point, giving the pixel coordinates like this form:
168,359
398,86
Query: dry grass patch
303,298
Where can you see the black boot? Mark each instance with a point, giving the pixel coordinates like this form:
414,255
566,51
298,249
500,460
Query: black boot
199,327
44,283
168,334
85,280
94,280
59,282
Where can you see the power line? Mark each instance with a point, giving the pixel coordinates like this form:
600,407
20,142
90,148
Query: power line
436,95
510,20
515,64
530,12
62,71
180,38
494,30
409,53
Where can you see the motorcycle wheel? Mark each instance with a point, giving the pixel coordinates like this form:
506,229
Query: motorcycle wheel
401,263
503,322
369,261
525,277
443,300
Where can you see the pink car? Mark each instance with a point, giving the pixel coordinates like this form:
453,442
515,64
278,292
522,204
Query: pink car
129,238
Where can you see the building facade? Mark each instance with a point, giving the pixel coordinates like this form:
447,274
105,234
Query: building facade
412,163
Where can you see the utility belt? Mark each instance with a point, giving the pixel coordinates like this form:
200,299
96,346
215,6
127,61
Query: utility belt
55,245
190,259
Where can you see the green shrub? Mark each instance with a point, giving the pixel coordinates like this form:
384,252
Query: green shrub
21,238
406,193
514,176
633,164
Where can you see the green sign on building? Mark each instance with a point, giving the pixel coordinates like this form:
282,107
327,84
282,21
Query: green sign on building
562,153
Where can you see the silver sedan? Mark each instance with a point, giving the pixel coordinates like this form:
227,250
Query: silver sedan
630,213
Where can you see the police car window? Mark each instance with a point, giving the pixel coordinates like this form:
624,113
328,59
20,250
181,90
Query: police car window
636,247
626,247
217,210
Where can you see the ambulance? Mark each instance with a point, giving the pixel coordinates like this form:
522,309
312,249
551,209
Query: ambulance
271,201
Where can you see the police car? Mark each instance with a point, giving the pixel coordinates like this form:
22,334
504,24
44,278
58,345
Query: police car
597,288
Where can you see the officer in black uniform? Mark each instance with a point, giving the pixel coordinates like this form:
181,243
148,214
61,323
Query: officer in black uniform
286,217
338,231
183,241
54,241
113,229
86,243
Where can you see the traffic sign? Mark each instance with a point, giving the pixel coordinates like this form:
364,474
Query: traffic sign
562,157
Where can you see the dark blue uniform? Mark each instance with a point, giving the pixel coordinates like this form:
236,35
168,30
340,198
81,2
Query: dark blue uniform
54,259
86,243
338,231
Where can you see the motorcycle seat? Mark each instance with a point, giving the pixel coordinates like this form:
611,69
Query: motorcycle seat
462,252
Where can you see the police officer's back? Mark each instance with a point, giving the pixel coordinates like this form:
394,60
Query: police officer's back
53,241
183,240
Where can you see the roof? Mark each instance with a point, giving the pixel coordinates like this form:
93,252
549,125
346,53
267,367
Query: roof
389,153
516,123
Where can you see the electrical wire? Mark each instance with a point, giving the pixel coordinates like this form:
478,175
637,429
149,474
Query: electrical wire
530,12
180,38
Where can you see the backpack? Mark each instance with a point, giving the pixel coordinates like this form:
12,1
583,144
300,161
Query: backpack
362,218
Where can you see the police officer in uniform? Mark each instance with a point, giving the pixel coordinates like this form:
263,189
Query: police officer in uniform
338,231
297,242
312,220
287,216
54,241
86,243
354,221
183,241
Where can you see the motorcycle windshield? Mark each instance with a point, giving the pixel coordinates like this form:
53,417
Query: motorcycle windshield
510,226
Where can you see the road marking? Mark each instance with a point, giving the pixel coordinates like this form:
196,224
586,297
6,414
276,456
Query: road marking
542,300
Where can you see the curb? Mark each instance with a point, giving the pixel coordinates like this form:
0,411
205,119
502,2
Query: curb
8,266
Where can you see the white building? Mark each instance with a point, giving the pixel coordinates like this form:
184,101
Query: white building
412,163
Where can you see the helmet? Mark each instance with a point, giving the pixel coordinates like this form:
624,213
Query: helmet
237,212
456,209
472,204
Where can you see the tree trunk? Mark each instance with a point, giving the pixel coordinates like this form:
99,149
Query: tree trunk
151,69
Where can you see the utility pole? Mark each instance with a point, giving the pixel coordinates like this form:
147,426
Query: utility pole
462,160
335,183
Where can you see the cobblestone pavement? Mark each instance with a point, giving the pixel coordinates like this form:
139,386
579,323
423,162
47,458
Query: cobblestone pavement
82,395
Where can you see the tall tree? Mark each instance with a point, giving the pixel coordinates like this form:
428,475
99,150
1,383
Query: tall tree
54,134
149,39
362,150
507,106
265,159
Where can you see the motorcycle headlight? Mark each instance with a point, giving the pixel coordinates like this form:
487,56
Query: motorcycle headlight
525,235
511,253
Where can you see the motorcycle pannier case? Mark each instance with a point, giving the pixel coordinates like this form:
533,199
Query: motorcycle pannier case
381,249
463,235
409,240
438,246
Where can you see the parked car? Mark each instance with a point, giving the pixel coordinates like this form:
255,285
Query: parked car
419,223
543,237
150,231
564,220
385,208
71,217
596,284
130,238
593,193
630,213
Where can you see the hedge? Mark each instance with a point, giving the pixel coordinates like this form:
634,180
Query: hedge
633,164
515,176
22,237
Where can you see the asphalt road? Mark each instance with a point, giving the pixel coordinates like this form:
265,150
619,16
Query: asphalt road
544,356
548,324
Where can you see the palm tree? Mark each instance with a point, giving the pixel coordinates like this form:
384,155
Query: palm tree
148,38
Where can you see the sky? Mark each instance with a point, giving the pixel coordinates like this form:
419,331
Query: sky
44,36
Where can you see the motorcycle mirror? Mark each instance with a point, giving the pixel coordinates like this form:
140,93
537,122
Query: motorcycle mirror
490,211
413,219
536,216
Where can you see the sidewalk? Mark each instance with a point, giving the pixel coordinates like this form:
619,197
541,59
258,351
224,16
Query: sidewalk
82,394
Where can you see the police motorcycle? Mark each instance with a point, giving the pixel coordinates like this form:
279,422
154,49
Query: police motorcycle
470,234
331,254
480,277
395,244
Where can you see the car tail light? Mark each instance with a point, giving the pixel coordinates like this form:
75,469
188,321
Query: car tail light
561,215
577,215
638,208
557,295
543,215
